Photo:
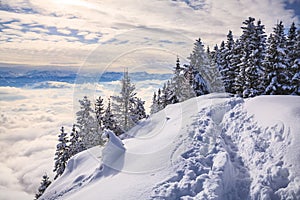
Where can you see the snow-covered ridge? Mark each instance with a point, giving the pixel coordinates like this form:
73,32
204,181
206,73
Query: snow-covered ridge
209,147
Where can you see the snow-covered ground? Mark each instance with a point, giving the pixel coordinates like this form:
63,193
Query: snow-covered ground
210,147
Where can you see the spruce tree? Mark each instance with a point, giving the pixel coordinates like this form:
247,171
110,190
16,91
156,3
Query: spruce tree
44,184
165,95
200,65
154,106
109,121
248,78
99,111
293,55
76,144
138,111
123,105
87,125
236,63
277,78
62,154
230,73
180,87
259,55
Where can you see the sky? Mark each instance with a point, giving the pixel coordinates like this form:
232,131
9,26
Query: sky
91,34
105,35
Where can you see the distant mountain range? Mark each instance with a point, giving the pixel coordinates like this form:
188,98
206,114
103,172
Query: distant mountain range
32,77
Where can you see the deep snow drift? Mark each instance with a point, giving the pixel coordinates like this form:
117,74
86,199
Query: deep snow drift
210,147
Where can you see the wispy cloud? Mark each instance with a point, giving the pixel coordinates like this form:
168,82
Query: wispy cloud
41,32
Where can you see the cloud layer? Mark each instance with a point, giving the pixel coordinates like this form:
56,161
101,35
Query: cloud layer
30,121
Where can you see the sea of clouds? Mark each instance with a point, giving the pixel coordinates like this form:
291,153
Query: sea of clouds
30,121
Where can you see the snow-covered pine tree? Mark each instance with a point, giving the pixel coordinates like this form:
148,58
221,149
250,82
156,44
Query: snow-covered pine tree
259,55
109,121
123,104
154,106
180,87
277,79
160,105
76,144
62,154
200,65
226,60
293,54
222,64
99,111
44,184
87,125
249,74
138,111
215,83
165,95
236,63
296,68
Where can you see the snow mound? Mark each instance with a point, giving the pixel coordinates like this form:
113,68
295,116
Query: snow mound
210,147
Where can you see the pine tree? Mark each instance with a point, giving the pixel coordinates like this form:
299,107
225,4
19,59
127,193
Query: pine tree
236,63
199,85
200,65
123,105
62,154
154,106
44,184
99,111
87,125
180,86
138,111
76,144
165,95
215,82
296,68
160,105
226,61
109,121
277,79
293,49
259,55
249,75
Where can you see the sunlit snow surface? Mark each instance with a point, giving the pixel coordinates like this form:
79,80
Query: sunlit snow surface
210,147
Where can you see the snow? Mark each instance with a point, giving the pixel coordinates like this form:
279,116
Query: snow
209,147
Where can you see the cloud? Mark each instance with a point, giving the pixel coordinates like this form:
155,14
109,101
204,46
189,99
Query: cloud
30,122
80,26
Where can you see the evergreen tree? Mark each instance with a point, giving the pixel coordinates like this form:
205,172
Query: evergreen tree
249,71
138,111
123,105
293,49
200,65
44,184
277,78
109,121
228,71
215,82
87,125
180,87
291,45
236,63
76,144
160,105
259,55
99,111
165,95
199,86
62,154
154,106
251,50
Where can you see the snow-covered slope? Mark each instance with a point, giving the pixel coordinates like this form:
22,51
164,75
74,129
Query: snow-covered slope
210,147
